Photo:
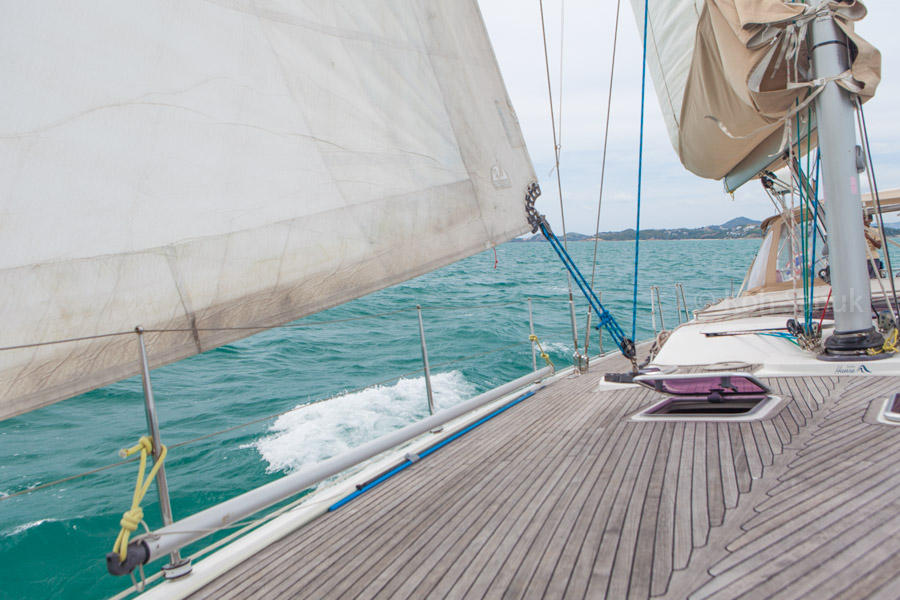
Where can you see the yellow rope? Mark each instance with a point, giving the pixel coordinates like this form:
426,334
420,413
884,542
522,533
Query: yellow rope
133,517
544,355
890,345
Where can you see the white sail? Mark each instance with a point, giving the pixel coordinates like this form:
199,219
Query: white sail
204,168
725,75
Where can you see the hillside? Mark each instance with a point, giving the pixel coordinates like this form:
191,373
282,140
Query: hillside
738,228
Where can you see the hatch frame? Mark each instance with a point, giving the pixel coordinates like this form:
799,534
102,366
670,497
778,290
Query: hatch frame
762,403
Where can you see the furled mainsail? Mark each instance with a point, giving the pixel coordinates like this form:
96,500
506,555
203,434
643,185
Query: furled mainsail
740,66
199,166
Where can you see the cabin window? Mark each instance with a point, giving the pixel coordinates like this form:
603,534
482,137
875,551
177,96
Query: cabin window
693,397
756,278
790,255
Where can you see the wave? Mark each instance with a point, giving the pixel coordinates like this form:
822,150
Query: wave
23,528
312,433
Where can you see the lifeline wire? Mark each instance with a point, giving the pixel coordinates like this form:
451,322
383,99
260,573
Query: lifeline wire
259,328
248,423
637,232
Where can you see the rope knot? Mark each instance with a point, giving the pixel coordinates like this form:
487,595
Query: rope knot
534,339
145,444
135,515
131,519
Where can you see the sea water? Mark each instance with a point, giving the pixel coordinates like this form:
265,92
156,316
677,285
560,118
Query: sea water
353,373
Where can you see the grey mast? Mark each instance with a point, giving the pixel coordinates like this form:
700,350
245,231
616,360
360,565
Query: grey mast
853,329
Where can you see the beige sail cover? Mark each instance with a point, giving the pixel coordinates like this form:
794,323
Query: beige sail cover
724,72
206,165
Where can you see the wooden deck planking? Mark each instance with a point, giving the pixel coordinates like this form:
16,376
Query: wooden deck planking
524,506
715,493
563,496
772,436
562,466
537,566
856,545
663,550
683,525
564,548
591,529
751,450
376,511
648,534
614,555
804,549
730,489
880,580
424,547
699,494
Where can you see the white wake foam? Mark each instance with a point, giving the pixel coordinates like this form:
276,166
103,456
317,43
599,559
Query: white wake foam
310,434
22,528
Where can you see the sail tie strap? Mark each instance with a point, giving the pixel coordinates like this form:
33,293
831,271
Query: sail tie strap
133,517
544,355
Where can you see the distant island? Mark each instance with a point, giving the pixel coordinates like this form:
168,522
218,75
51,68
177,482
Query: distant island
738,228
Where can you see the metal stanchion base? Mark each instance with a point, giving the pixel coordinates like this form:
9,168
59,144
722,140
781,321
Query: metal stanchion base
174,571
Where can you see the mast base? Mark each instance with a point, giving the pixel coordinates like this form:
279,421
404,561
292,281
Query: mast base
853,345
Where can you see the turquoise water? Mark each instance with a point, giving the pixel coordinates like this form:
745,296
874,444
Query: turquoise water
53,541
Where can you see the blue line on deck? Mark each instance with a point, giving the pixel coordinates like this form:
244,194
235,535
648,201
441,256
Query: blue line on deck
437,446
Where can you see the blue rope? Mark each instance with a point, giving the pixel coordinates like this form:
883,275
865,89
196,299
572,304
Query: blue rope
605,317
804,181
812,260
782,335
637,233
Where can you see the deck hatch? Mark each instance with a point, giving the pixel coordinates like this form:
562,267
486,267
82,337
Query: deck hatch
891,411
700,396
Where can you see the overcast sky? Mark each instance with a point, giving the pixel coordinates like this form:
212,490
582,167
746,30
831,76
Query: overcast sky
671,196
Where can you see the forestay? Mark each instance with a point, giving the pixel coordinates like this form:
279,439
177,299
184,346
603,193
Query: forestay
202,166
727,72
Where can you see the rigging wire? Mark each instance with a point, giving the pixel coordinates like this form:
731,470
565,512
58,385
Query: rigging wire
556,146
612,71
873,187
804,215
562,38
637,232
812,260
556,153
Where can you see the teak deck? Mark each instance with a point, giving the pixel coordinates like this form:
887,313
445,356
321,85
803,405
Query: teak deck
564,496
